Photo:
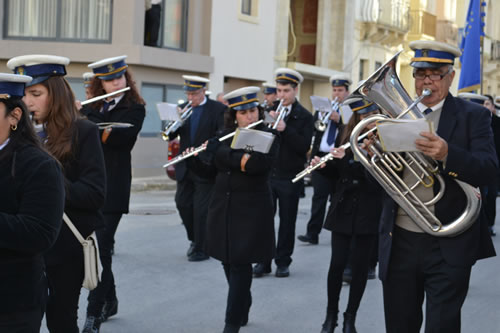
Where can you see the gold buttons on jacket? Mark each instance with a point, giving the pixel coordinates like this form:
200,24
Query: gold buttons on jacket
453,174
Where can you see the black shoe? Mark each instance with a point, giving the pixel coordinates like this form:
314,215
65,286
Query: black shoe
109,309
230,328
372,275
260,269
349,320
92,325
347,275
308,239
198,256
190,250
244,320
330,322
282,271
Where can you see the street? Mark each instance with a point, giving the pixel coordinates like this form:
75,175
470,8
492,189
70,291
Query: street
160,291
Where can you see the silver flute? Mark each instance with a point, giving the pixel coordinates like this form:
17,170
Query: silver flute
201,148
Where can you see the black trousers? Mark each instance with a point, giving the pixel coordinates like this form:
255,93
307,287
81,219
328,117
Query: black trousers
239,278
490,203
323,188
106,289
360,260
22,321
65,283
286,197
417,268
192,199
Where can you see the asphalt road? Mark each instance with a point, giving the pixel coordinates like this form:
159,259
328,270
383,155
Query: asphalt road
160,291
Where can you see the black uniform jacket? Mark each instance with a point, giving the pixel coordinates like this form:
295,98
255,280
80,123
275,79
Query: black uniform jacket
31,209
465,126
356,204
211,122
85,183
294,144
241,214
117,152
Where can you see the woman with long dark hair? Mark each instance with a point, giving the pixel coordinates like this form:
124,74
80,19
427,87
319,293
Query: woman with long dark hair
74,142
31,209
353,215
241,214
110,75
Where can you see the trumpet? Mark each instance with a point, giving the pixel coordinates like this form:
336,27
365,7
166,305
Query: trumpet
281,114
322,121
201,148
329,156
174,125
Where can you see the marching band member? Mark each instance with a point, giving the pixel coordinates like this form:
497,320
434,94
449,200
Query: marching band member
194,180
296,133
324,186
74,141
270,97
31,209
353,219
414,264
241,214
112,74
87,84
493,186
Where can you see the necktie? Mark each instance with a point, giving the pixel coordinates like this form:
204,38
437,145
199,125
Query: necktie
330,139
106,105
195,120
427,111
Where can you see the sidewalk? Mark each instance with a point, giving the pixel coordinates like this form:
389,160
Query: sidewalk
152,183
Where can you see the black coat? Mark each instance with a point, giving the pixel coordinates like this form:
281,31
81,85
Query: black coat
241,214
465,126
211,122
85,183
31,209
294,144
117,152
356,204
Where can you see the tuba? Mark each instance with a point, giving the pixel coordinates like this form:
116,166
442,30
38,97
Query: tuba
385,89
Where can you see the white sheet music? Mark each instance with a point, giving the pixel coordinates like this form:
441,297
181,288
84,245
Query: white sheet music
398,135
167,111
321,103
253,140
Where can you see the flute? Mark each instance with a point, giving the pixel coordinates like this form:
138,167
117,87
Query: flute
98,98
201,148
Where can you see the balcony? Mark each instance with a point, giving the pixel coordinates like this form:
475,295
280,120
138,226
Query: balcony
384,21
422,24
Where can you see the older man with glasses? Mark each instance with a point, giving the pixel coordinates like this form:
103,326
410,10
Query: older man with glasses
413,263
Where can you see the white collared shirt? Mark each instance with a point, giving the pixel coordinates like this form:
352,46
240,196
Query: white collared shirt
2,146
324,147
117,100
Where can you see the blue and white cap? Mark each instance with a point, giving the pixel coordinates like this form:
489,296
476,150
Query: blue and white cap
243,98
87,79
193,82
39,66
361,105
476,98
109,68
269,88
339,80
12,85
432,54
287,75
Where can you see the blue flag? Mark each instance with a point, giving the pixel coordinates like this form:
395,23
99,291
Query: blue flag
470,76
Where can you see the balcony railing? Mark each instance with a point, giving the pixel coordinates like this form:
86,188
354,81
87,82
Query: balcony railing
392,14
422,22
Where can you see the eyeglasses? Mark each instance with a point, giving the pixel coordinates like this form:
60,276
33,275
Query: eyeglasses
433,76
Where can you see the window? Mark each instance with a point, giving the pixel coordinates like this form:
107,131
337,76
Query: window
156,93
77,87
363,64
246,7
249,11
174,24
80,20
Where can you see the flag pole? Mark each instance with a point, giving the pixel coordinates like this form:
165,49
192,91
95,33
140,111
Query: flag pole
481,36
